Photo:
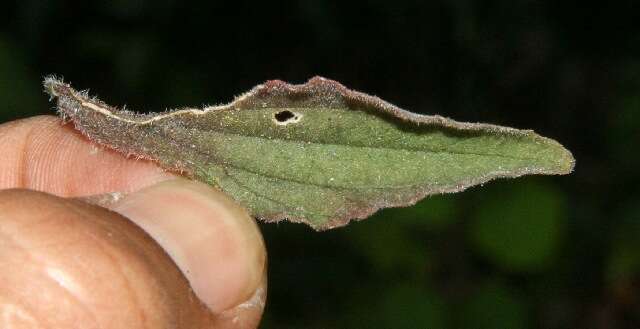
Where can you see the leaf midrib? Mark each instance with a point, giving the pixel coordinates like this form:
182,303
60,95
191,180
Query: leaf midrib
307,142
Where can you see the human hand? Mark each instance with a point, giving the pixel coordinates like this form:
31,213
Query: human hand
65,263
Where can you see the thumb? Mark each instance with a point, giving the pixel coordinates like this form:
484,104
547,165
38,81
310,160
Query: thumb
214,242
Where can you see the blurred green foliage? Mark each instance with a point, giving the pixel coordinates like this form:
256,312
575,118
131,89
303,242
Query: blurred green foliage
624,258
494,305
519,226
402,227
535,252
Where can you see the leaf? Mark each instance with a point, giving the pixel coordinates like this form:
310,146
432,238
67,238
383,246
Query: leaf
494,304
315,153
519,227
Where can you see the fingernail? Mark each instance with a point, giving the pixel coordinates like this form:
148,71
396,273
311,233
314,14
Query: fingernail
213,240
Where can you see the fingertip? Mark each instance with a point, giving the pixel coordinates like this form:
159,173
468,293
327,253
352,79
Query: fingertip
214,241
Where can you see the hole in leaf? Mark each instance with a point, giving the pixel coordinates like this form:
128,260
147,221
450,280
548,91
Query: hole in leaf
284,116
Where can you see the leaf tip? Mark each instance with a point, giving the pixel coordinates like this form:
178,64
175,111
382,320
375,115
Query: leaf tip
568,162
563,161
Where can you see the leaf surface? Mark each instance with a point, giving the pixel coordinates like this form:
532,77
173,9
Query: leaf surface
316,153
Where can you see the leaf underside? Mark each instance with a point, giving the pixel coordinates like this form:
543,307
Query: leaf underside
315,153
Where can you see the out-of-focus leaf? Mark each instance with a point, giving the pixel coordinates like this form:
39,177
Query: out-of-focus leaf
398,306
624,259
519,226
407,306
389,247
394,239
432,214
494,305
316,153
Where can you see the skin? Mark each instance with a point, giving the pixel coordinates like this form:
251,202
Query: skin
166,252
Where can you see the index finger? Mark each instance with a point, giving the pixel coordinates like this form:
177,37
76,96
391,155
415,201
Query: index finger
40,153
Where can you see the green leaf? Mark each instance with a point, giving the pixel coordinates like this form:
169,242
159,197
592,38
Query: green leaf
624,259
494,305
316,153
519,227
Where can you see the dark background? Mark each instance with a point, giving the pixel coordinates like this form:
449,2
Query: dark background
535,252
